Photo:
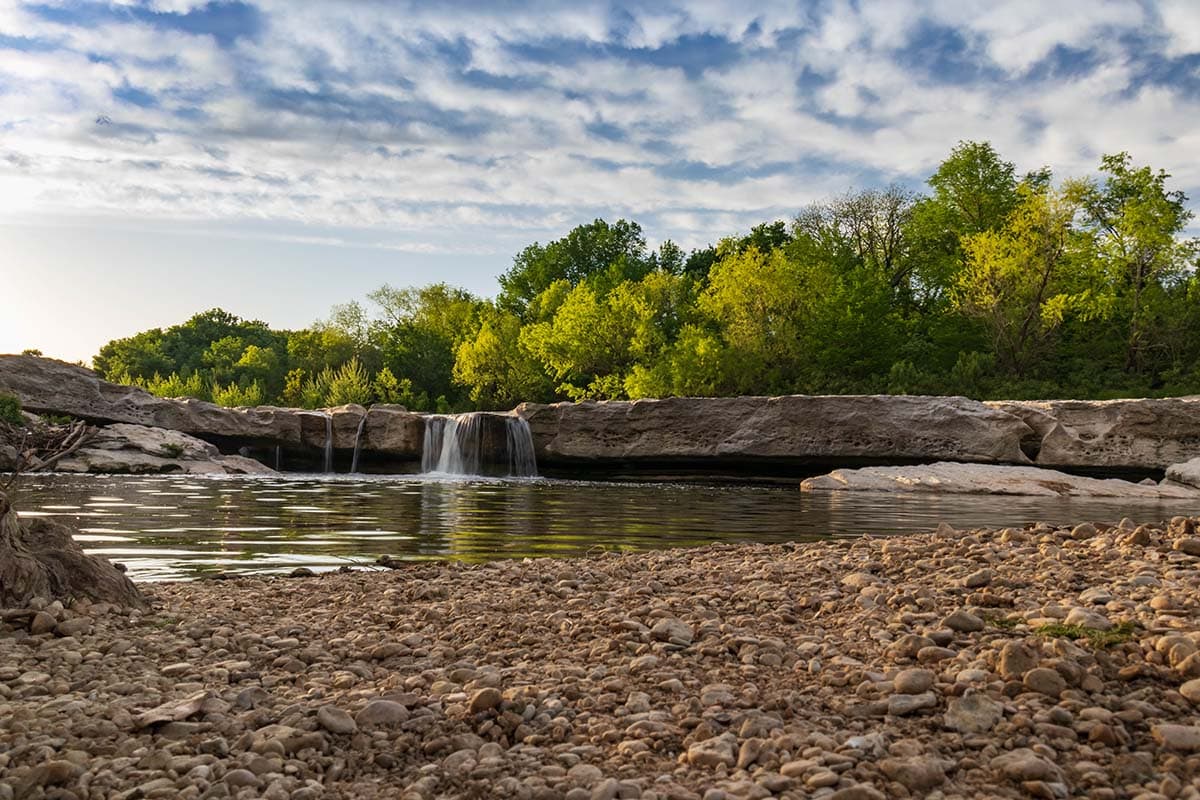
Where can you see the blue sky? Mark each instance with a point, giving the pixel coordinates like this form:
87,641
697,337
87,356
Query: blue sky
273,157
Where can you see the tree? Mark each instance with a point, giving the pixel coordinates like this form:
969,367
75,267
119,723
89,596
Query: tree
1137,223
974,191
615,252
497,369
1025,278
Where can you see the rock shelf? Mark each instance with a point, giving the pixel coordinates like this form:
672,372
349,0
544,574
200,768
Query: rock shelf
1043,662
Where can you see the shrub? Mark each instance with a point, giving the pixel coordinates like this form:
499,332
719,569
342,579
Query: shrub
234,395
350,384
10,410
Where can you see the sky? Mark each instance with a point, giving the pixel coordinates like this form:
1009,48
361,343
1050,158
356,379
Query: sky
275,157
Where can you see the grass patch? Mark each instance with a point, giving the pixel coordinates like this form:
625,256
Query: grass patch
172,450
1118,634
1004,623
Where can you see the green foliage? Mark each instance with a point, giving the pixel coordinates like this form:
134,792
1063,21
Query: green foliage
234,395
349,384
1118,634
172,450
992,284
10,410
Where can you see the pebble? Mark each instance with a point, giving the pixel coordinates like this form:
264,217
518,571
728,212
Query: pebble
832,669
913,681
335,720
963,622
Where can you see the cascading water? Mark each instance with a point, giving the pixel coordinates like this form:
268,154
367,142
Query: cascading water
362,423
468,444
328,441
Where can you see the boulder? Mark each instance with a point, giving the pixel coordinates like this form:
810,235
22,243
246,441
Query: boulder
138,449
951,478
1187,473
1113,434
795,428
44,385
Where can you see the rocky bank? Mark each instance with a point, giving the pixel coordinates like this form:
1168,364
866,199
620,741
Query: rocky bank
756,434
1044,662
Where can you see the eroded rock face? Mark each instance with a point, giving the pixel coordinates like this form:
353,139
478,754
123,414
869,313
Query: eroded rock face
795,427
44,385
951,478
1118,434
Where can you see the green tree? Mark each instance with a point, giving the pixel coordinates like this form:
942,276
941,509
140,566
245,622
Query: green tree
350,383
597,250
1024,279
1138,224
497,369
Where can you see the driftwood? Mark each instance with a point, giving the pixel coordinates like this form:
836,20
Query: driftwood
39,447
39,558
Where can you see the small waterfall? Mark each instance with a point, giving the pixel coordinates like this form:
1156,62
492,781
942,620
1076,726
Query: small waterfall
328,441
466,444
278,457
362,423
522,461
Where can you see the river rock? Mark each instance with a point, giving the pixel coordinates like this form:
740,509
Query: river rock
913,681
719,750
916,774
954,478
1045,681
1184,738
973,713
793,428
335,720
381,713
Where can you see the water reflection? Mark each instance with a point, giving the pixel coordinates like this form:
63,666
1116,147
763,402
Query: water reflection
176,527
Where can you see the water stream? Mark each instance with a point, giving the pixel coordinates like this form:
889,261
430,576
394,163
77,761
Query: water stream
464,444
178,527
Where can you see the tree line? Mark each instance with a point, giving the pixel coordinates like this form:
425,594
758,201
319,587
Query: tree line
992,284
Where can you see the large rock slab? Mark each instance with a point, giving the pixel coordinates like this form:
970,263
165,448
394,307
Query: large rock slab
1110,434
44,385
138,449
792,428
951,478
1187,473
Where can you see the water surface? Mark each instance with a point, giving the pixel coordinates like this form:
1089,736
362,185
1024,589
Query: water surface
180,527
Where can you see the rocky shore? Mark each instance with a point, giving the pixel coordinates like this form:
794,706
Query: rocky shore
1044,662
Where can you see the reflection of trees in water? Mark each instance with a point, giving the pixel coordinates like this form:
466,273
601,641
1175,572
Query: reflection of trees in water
483,520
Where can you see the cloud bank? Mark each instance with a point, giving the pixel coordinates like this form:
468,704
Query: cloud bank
465,127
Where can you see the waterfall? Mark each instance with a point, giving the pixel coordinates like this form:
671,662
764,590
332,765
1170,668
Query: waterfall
467,444
328,441
522,461
278,457
362,423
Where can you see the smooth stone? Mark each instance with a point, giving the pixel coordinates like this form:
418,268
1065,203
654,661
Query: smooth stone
913,681
335,720
973,713
1045,681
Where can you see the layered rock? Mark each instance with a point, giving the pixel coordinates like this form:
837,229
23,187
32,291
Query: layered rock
1110,434
795,428
47,386
952,478
138,449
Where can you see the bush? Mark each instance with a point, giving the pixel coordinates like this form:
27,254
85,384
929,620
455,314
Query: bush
10,410
234,395
350,384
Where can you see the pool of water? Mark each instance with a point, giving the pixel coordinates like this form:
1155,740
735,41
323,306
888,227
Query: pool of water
181,527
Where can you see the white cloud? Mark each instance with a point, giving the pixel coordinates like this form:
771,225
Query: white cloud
365,118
